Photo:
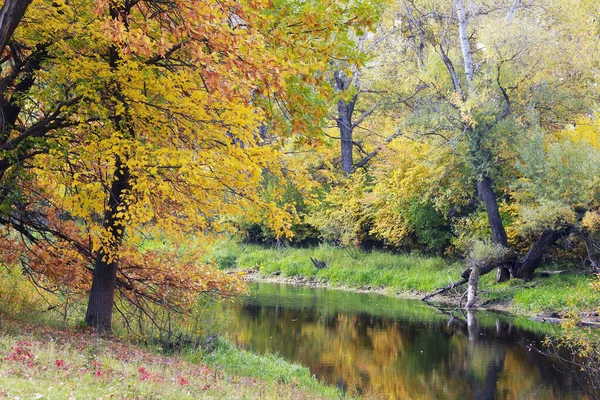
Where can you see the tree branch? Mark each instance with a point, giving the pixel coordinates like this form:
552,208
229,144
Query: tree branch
159,57
366,114
451,70
507,107
372,154
11,13
513,11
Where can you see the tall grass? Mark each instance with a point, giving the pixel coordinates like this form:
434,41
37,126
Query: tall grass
408,274
345,267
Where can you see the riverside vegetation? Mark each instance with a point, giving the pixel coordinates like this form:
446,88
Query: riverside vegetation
565,293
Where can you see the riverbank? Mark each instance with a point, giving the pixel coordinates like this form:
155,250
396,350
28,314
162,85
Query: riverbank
552,295
45,353
50,363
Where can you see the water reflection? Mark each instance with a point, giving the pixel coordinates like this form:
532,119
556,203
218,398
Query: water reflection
393,348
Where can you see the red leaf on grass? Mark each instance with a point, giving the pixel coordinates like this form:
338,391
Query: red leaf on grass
182,381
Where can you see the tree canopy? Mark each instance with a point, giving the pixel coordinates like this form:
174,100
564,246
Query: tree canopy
133,129
139,119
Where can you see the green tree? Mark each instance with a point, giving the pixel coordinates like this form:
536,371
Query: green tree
489,89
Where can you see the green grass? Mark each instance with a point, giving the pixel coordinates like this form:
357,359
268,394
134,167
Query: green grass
227,372
351,268
560,293
409,274
58,364
268,367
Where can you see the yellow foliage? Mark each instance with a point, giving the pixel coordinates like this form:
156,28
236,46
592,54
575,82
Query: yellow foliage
584,129
411,172
158,116
380,205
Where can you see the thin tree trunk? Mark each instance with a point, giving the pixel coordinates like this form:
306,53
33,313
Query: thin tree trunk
464,40
372,154
473,284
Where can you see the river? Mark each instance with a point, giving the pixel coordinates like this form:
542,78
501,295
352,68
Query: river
386,347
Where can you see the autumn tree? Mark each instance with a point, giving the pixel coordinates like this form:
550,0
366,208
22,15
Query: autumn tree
508,85
366,95
154,117
481,86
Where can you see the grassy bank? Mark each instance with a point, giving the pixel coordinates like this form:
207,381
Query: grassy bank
410,275
58,364
40,358
268,367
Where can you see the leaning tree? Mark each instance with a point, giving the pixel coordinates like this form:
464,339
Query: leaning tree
492,87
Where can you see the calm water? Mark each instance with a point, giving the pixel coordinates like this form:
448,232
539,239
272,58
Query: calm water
395,348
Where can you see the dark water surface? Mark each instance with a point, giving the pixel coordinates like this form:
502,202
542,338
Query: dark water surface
395,348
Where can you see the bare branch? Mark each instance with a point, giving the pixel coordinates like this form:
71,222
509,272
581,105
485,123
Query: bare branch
513,11
372,154
366,114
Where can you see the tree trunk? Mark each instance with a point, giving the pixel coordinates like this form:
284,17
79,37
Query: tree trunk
473,284
530,261
487,195
344,120
464,40
11,13
472,326
100,304
344,123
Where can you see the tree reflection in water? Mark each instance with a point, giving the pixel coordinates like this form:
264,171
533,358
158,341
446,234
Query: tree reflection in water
394,348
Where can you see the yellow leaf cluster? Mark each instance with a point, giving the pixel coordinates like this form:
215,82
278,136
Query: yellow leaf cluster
161,112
